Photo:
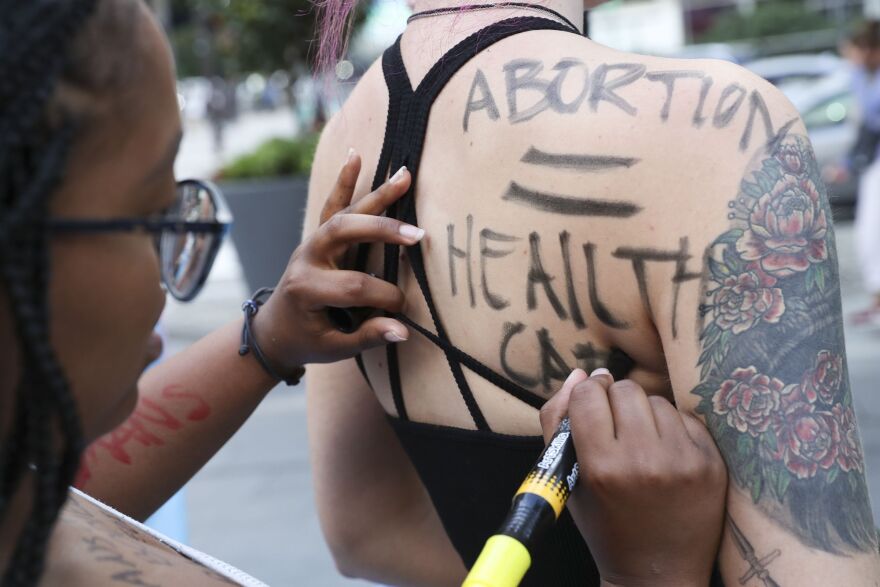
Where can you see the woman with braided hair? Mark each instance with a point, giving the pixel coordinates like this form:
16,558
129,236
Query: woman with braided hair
91,222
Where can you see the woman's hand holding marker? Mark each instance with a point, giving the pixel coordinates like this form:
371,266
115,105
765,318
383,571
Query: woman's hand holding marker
651,496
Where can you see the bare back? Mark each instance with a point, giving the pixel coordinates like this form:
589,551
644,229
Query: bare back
556,181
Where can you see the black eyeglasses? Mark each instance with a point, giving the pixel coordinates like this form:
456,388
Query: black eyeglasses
188,236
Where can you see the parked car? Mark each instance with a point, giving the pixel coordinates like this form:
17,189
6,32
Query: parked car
783,70
722,51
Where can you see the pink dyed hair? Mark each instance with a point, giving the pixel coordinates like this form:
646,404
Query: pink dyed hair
334,27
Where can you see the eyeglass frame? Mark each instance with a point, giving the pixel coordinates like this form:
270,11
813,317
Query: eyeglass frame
159,226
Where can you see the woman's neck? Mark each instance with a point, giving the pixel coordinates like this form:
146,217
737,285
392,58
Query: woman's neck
426,39
571,9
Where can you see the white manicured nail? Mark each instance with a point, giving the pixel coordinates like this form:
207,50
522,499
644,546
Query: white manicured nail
398,175
350,155
412,232
392,336
600,371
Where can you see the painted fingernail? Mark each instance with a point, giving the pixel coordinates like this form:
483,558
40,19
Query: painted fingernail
600,371
412,232
571,376
398,175
350,156
392,336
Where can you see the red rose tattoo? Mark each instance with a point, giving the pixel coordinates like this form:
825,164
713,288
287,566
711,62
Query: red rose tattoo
773,383
749,399
786,228
823,381
849,456
744,300
790,158
808,440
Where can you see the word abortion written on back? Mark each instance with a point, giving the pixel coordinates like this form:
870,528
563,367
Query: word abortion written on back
530,91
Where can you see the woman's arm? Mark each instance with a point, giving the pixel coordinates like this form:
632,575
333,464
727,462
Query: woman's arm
376,515
191,404
766,370
188,407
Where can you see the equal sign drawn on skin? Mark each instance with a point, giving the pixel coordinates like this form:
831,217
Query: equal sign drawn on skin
585,163
570,205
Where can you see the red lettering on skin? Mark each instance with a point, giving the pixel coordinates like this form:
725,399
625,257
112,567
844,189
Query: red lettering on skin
150,411
142,427
85,472
199,412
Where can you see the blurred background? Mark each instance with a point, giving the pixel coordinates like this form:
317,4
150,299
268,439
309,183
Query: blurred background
252,112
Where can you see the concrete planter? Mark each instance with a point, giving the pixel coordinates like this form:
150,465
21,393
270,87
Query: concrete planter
268,224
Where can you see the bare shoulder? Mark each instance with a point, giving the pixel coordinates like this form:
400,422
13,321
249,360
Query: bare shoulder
729,88
697,126
719,103
92,547
367,97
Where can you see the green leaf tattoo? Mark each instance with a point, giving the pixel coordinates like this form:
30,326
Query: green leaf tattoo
774,388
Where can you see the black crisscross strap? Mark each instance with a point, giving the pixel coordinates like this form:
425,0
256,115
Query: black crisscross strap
405,129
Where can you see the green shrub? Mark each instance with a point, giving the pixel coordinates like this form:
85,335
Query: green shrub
768,19
274,158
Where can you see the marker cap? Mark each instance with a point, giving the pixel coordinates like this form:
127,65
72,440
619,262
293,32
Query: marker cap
502,563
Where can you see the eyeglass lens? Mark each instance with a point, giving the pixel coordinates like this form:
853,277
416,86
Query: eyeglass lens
185,255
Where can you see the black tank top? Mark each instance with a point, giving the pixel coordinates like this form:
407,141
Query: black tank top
470,475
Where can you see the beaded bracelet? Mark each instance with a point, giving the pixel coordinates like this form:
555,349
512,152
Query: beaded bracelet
249,342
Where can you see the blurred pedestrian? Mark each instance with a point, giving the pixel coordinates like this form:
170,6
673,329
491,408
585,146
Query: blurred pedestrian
863,51
218,111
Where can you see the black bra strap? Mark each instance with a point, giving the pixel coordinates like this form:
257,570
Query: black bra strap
399,98
487,373
415,129
397,81
400,87
405,131
446,67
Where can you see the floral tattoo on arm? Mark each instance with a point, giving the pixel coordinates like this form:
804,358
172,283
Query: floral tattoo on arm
774,386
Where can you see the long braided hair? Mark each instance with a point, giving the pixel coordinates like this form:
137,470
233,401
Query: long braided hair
38,54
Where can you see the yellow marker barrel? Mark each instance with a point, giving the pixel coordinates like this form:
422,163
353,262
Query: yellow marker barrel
536,506
502,563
